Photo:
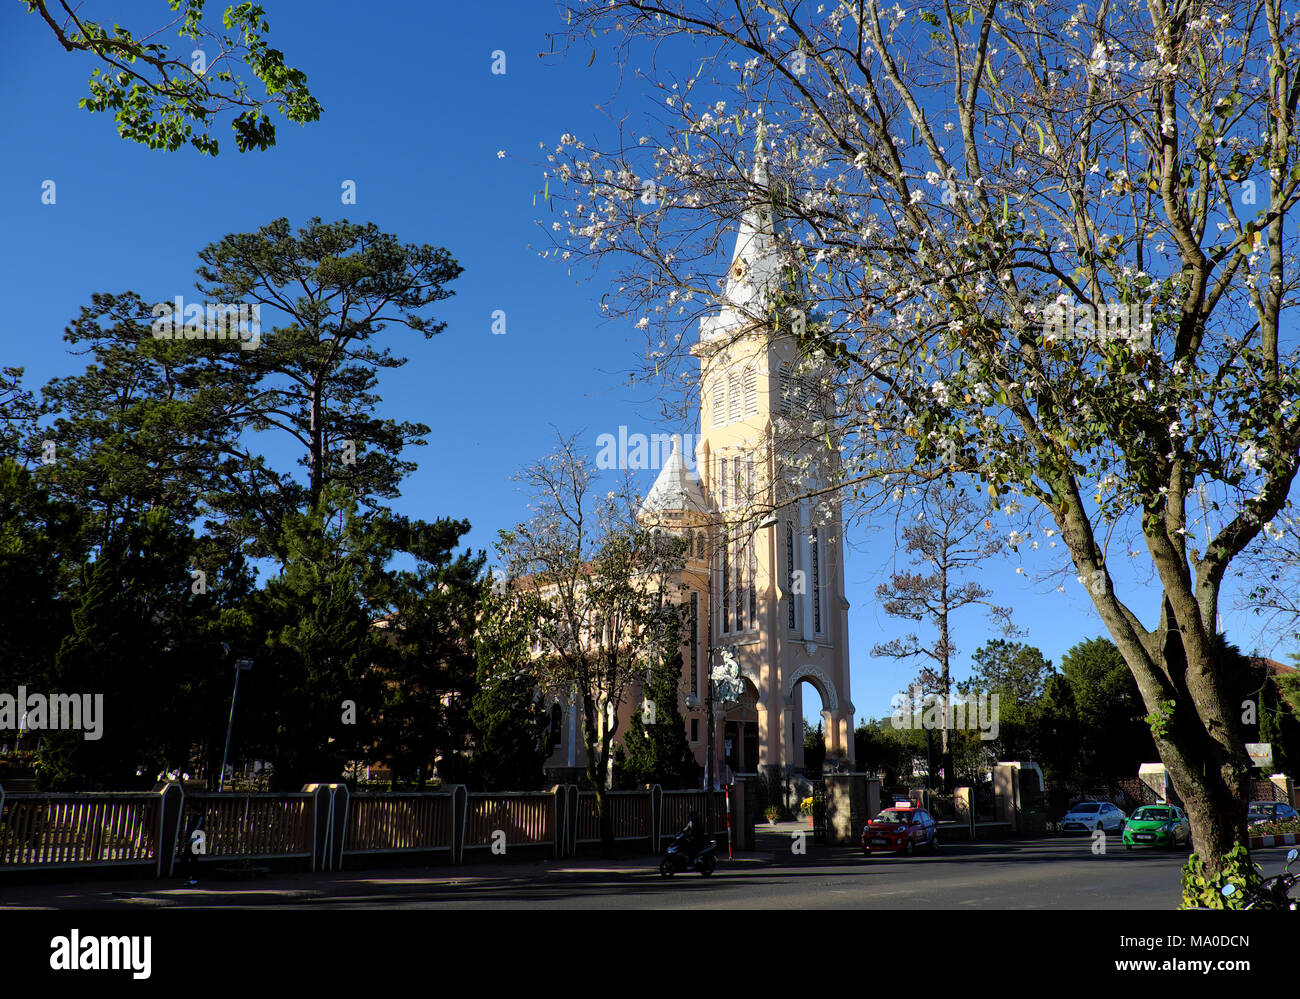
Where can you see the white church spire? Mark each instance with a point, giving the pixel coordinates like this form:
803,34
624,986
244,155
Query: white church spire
758,264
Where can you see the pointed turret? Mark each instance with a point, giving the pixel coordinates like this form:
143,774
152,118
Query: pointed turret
676,491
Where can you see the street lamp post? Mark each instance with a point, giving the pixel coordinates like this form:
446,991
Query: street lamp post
240,666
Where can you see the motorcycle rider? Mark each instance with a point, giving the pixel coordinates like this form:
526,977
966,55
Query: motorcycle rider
693,834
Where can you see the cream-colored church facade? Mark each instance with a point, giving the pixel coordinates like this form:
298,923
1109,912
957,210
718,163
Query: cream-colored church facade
765,575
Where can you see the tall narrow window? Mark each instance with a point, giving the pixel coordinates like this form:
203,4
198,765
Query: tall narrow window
724,483
733,396
719,401
695,642
751,390
816,581
740,584
753,585
725,549
784,387
789,568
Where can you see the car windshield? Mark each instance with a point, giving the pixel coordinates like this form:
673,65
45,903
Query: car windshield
1152,815
893,815
1087,806
1261,809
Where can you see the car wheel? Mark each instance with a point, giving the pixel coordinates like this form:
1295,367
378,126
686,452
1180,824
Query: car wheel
910,849
934,842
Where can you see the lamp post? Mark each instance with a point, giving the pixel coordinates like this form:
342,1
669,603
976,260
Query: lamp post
240,666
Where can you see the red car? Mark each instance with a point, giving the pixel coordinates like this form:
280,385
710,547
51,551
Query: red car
900,829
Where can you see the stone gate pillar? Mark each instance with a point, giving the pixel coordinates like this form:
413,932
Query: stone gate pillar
846,808
873,797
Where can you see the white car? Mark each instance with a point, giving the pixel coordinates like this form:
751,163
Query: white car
1089,815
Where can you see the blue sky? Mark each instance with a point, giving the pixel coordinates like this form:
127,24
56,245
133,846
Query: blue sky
414,116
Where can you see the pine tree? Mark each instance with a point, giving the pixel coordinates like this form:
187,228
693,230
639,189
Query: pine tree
655,747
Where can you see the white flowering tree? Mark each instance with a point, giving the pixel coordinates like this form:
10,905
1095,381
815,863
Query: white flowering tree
597,589
1051,246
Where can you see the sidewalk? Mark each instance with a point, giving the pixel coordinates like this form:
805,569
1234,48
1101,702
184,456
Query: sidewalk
773,849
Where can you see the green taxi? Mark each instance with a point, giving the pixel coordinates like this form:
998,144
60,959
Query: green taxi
1157,825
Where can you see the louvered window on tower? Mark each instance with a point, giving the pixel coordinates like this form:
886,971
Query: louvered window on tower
733,396
751,391
719,401
784,384
789,568
816,579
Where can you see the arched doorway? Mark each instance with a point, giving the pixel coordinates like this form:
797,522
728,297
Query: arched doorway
740,734
811,695
810,722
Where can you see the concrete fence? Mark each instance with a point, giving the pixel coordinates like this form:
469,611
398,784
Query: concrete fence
39,831
325,825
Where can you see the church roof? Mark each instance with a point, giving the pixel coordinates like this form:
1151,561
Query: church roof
676,489
758,263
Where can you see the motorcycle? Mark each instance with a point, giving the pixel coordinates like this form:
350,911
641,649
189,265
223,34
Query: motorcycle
679,858
1271,893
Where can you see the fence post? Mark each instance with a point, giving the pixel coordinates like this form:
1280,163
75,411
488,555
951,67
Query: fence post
459,819
339,840
559,800
656,815
574,815
171,806
320,822
329,825
742,813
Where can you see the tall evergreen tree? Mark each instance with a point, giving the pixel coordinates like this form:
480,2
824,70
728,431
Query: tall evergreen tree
41,547
655,747
426,661
336,286
136,638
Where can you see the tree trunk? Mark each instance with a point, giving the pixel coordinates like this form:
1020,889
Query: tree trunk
945,682
606,822
1206,762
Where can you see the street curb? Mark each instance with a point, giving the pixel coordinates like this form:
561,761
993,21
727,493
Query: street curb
1286,839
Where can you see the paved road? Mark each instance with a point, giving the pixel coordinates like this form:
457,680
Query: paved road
1052,873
